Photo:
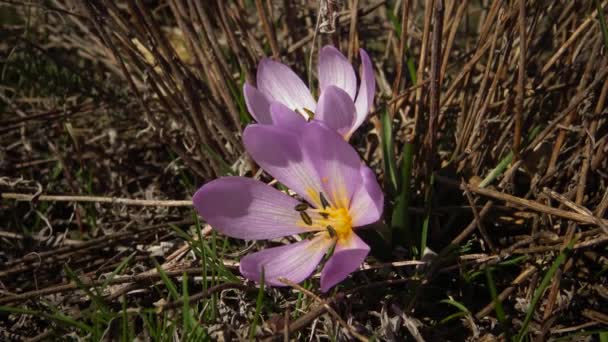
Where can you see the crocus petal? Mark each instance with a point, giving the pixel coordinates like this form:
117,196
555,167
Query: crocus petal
336,162
368,202
248,209
280,83
279,151
367,89
336,109
258,104
285,117
309,161
348,255
295,262
334,69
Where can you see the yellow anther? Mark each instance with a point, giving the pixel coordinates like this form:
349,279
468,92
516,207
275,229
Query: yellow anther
338,219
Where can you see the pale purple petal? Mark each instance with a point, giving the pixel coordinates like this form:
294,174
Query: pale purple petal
336,109
295,262
368,202
334,69
279,151
257,103
280,83
309,161
367,89
248,209
285,117
336,162
348,255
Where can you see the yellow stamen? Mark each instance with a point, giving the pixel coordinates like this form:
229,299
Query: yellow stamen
336,221
331,216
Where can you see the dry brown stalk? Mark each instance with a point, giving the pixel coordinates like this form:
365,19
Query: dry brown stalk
405,6
146,279
435,87
193,299
327,307
96,199
521,75
533,205
478,219
572,38
418,107
268,29
352,32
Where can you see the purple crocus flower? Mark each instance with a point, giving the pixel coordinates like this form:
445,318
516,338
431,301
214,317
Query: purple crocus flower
340,105
337,194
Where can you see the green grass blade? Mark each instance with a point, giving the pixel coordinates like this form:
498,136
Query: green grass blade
498,170
397,25
469,277
464,311
69,321
400,221
186,314
602,19
390,169
239,96
506,161
428,207
168,282
117,270
59,318
579,335
258,307
456,304
95,297
561,258
125,336
224,166
452,316
210,261
14,310
500,312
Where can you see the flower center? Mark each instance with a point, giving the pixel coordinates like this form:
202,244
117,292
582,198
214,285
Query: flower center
336,221
329,217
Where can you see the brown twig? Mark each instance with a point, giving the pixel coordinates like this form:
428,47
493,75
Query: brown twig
204,294
352,33
521,75
88,283
585,219
96,199
272,40
327,307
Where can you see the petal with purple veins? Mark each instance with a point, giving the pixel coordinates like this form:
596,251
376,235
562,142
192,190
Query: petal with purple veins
280,83
295,262
337,164
279,151
347,257
285,117
336,109
258,104
334,69
367,89
313,160
248,209
368,202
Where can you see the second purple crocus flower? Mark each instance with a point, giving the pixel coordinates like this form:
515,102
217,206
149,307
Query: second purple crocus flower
337,193
341,105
